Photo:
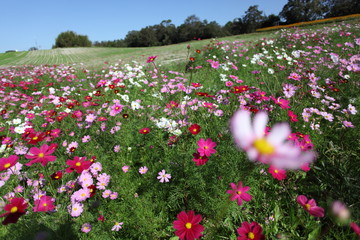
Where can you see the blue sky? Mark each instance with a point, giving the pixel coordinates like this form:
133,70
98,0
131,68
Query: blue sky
28,23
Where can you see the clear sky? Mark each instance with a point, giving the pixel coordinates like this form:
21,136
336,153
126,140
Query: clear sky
28,23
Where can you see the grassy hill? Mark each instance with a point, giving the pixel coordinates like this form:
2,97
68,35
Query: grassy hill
96,56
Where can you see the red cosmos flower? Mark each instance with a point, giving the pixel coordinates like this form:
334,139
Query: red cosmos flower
196,85
92,189
172,104
79,164
200,160
57,175
144,130
192,59
310,206
239,192
194,129
42,154
240,89
6,163
14,210
277,173
187,225
250,231
45,204
292,116
35,137
206,147
151,59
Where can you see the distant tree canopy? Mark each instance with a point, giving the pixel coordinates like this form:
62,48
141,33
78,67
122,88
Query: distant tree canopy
71,39
193,28
307,10
342,7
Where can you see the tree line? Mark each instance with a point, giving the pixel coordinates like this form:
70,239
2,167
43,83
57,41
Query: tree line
167,33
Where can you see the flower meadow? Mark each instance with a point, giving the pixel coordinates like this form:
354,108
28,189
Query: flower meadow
245,140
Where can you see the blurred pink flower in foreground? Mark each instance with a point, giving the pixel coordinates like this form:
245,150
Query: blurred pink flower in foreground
273,148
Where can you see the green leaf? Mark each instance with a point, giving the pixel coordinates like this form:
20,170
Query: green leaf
315,233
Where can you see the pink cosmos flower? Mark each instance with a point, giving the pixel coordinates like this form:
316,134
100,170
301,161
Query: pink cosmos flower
76,209
294,76
143,170
86,227
250,231
239,193
125,169
44,204
163,176
283,103
6,163
273,149
151,59
292,116
79,164
355,228
117,226
277,173
340,210
310,206
42,154
206,147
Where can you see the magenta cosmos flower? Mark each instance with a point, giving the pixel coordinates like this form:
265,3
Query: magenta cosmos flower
79,164
6,163
250,231
273,149
310,206
238,193
187,225
206,147
44,204
41,155
151,59
277,173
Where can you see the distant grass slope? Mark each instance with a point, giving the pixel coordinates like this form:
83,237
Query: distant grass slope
95,56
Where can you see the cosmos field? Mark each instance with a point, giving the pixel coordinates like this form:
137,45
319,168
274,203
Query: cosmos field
245,140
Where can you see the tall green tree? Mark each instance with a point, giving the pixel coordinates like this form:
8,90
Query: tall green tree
253,18
303,10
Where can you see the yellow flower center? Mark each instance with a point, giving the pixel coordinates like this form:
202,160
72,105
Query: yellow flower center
41,155
78,164
276,171
238,192
13,209
7,165
45,204
206,147
35,138
251,235
263,146
307,206
188,225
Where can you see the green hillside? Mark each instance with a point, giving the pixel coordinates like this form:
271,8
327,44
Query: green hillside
96,56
